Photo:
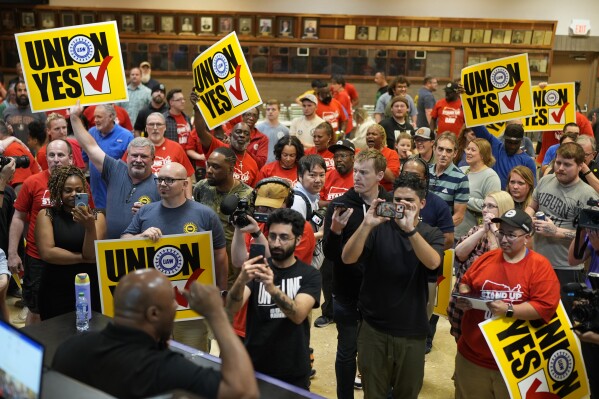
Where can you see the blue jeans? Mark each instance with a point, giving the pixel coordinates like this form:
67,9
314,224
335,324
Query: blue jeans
346,319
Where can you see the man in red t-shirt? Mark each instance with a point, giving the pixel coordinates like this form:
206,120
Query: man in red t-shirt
447,114
246,168
341,95
56,128
258,147
331,110
34,196
16,149
340,179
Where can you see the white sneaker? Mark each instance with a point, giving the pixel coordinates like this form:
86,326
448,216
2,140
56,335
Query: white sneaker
358,382
22,316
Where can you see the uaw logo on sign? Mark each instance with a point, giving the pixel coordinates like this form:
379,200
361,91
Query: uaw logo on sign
64,65
497,91
538,359
554,107
223,82
182,258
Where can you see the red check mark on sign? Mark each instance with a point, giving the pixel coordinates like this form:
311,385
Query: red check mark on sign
511,101
533,394
557,116
96,82
235,88
181,300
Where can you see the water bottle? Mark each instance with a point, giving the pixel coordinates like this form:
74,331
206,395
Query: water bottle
82,285
82,322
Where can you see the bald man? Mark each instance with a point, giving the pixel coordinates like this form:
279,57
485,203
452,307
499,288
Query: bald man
175,214
130,357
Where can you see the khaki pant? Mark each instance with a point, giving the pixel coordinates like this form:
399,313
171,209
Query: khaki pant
475,382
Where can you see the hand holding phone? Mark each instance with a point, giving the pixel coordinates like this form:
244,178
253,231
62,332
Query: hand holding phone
81,199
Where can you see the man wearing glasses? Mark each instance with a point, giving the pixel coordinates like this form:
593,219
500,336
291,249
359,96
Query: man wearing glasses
280,291
178,125
128,183
176,214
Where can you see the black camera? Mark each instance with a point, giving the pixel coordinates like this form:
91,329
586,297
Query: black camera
239,217
585,312
22,161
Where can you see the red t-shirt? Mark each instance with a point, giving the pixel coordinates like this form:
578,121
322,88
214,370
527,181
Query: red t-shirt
122,117
77,156
245,169
166,153
449,115
183,128
332,113
16,150
531,280
274,169
33,197
392,164
326,155
303,252
336,185
258,147
345,102
549,139
193,143
351,91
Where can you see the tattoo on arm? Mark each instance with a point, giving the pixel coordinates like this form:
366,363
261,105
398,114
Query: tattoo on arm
569,234
286,304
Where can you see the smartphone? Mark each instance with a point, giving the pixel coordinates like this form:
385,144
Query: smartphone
81,199
390,210
257,250
342,207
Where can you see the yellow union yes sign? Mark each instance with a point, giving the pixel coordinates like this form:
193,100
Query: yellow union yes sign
444,284
63,65
536,358
183,258
555,105
497,91
223,82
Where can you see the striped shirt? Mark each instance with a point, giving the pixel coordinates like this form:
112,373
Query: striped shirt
451,185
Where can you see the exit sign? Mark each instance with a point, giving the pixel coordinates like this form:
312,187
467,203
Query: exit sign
580,27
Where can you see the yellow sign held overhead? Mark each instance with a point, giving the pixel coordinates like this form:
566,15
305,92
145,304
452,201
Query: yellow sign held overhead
64,65
223,81
538,359
496,91
183,258
555,106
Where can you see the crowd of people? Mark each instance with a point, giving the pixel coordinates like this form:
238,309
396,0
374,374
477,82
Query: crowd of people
341,208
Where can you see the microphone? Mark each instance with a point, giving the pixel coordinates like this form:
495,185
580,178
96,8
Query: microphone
229,204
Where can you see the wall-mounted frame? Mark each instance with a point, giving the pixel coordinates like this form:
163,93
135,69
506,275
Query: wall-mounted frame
310,28
225,25
265,26
167,24
246,26
186,25
27,20
87,18
47,20
147,23
105,17
206,25
67,19
128,23
303,51
285,27
7,17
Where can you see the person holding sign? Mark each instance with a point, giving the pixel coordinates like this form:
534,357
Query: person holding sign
518,284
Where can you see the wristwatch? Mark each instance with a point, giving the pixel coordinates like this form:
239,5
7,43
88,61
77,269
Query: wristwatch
256,234
510,310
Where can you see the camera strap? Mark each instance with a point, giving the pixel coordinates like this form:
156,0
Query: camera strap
579,252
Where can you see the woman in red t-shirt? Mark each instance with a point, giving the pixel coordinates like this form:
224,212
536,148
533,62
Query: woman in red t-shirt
288,151
323,138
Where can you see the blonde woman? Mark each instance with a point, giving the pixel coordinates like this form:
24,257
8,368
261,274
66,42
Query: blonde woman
520,185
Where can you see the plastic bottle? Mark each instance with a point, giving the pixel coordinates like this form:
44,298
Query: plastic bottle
82,322
82,285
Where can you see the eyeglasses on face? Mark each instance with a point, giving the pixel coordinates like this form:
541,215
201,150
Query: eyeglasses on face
509,237
283,238
169,181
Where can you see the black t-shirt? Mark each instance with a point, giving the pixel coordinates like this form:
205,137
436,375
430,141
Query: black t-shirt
128,363
394,288
277,346
6,213
391,125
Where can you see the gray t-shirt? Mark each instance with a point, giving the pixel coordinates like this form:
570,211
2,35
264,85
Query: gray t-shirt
122,194
561,204
191,217
274,134
19,118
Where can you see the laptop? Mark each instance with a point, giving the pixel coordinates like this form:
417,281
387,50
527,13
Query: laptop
21,364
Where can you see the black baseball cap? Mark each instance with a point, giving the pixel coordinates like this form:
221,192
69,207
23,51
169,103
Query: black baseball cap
516,218
343,145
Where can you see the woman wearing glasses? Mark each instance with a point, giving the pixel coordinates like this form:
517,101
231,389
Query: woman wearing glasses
519,284
479,240
65,235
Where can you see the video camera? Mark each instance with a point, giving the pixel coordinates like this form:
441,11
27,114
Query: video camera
238,210
589,218
585,312
21,161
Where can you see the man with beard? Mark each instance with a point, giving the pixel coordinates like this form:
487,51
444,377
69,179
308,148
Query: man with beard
112,139
246,168
129,184
303,126
448,115
19,117
144,312
139,95
280,291
559,196
426,101
331,110
146,76
218,184
157,104
507,154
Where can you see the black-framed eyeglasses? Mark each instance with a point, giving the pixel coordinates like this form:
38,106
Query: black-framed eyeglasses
510,236
283,238
155,125
169,181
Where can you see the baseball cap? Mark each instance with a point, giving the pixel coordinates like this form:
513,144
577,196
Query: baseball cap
513,132
516,218
451,86
272,195
310,97
145,63
424,133
159,87
343,145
